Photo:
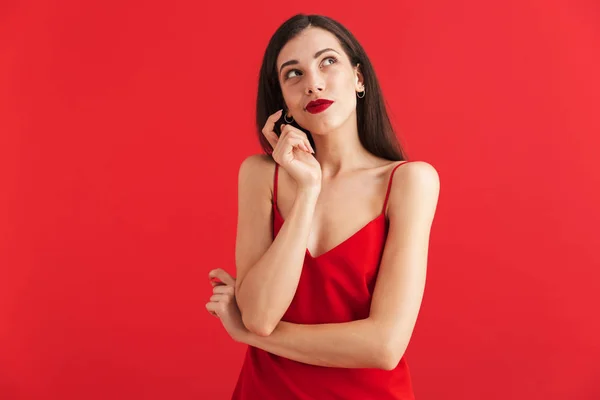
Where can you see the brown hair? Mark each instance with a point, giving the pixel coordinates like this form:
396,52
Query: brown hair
375,130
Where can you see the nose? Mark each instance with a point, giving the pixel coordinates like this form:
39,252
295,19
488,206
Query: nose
314,84
314,89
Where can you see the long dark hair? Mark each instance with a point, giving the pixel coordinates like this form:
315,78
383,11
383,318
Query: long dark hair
375,130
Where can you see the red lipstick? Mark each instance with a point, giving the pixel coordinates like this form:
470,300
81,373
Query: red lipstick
319,105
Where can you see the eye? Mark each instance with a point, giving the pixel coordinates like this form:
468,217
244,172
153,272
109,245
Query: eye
287,74
331,58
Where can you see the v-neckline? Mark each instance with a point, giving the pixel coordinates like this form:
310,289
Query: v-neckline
308,253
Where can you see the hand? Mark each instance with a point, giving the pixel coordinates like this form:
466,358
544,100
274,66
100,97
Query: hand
222,304
292,150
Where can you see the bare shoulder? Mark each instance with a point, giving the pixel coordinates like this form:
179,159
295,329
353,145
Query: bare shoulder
257,163
421,171
416,183
256,170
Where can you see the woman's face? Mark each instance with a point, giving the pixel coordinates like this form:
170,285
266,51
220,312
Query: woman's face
316,74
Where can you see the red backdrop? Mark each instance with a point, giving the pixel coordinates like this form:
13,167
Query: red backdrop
122,127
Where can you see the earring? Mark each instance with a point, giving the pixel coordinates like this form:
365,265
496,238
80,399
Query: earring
363,94
285,119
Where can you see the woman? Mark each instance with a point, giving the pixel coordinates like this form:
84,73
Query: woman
331,252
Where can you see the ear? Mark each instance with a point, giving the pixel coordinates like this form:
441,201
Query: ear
359,80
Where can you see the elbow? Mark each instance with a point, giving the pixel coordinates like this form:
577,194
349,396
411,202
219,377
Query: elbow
389,347
257,322
389,363
390,354
250,320
260,328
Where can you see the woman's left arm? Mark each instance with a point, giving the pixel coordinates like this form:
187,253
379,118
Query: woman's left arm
380,340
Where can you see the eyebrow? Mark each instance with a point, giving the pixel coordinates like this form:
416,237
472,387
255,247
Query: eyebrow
292,62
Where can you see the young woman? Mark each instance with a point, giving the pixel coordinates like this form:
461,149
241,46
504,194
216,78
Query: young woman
333,229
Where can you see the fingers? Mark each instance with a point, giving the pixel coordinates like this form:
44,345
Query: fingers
214,314
213,308
221,275
290,139
222,296
288,131
268,128
219,297
269,133
224,289
291,143
223,293
215,282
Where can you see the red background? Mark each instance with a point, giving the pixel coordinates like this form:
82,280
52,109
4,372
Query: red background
122,127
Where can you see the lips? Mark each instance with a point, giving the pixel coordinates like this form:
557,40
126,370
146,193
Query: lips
318,102
316,106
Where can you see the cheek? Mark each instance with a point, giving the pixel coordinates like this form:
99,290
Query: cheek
344,85
289,99
292,98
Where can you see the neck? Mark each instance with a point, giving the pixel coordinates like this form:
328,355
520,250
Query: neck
339,151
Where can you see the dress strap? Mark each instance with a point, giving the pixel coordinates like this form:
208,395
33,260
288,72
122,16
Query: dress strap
275,184
387,194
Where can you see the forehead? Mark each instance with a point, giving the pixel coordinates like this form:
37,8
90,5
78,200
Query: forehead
306,44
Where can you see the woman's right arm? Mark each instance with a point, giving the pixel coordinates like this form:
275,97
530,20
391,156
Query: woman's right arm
267,270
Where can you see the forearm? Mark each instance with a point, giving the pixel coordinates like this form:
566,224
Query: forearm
269,286
355,344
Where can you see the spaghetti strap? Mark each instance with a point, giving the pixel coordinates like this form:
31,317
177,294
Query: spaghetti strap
275,185
387,194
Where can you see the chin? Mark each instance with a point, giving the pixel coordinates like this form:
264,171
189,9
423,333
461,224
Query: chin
327,126
323,125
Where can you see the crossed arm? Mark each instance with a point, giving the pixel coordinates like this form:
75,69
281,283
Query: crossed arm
380,340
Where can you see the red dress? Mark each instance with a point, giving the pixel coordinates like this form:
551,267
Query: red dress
334,287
